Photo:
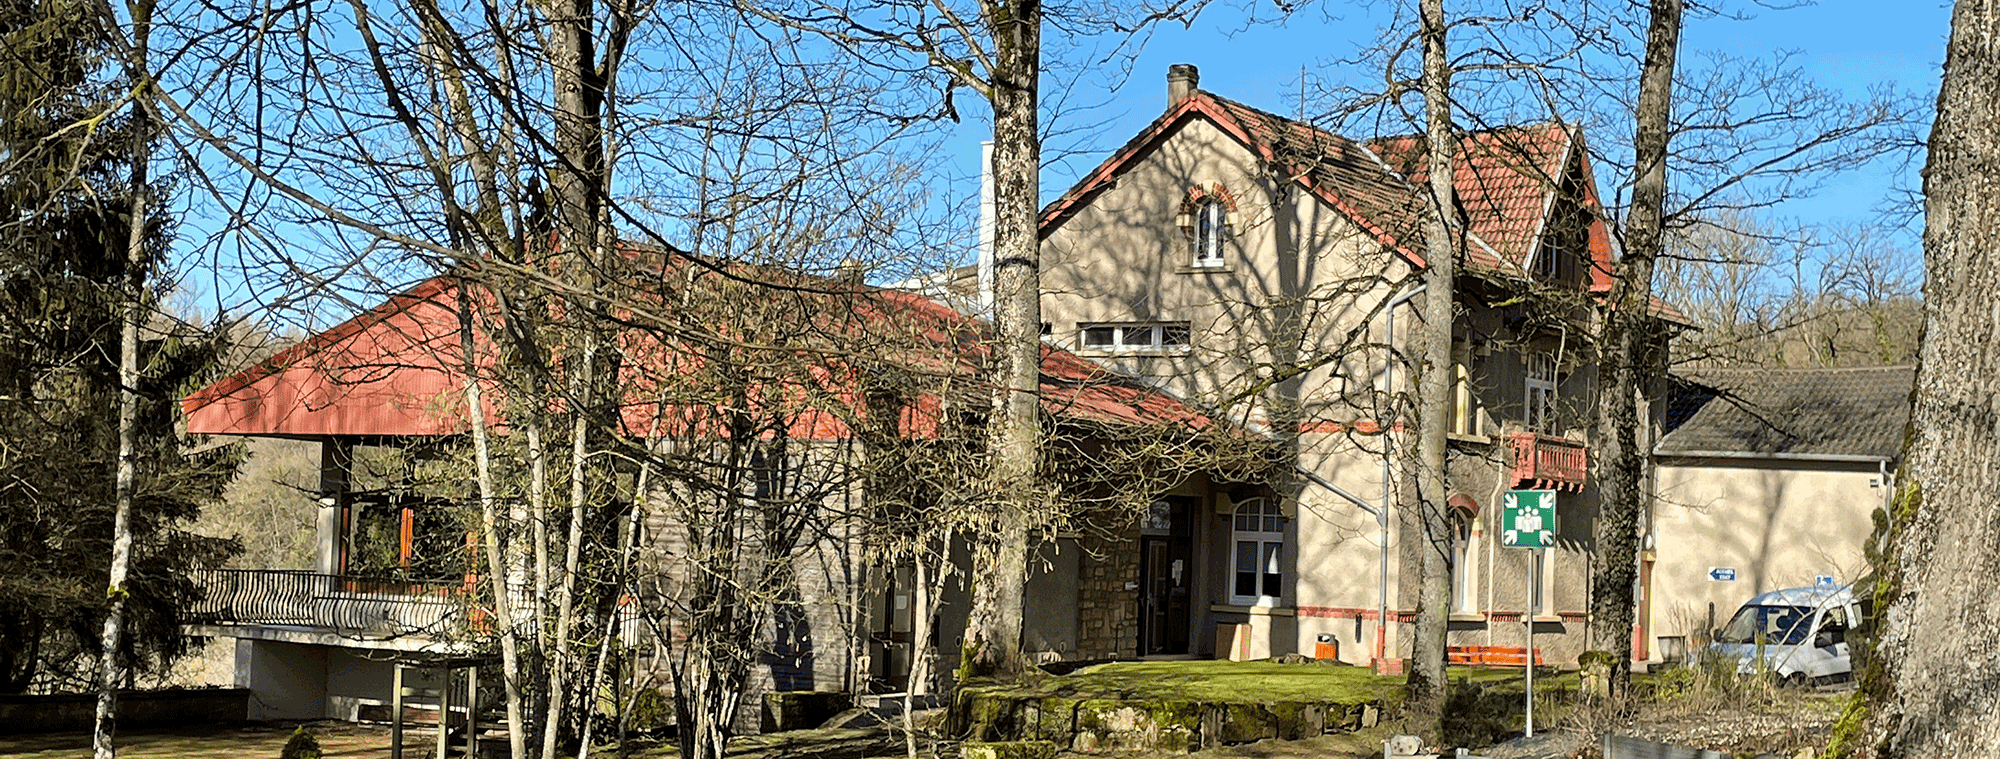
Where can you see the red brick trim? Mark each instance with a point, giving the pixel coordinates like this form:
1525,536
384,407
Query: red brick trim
1395,615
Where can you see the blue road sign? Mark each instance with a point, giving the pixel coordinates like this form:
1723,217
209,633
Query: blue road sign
1722,574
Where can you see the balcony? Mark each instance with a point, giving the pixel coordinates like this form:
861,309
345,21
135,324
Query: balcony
1546,462
354,606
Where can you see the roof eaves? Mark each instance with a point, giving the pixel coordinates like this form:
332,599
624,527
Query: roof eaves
285,359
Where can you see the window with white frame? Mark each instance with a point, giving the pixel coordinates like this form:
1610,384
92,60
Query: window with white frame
1211,228
1208,218
1462,579
1152,336
1539,413
1258,527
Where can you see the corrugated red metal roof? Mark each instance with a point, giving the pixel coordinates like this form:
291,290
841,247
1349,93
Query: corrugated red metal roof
397,370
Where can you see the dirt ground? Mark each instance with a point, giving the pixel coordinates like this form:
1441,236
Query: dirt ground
336,739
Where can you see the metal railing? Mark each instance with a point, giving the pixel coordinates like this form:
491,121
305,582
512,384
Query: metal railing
378,606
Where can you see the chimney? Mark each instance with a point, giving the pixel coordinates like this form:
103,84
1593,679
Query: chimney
1182,79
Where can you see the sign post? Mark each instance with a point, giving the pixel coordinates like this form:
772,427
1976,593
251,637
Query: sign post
1528,520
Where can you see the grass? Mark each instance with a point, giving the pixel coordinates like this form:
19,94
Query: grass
1216,681
1252,681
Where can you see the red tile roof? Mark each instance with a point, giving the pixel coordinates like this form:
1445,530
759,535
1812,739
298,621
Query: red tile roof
1506,179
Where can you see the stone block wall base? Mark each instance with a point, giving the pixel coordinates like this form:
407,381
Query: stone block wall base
1011,750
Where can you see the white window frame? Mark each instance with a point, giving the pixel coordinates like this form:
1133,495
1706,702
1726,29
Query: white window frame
1538,403
1211,230
1134,337
1463,579
1259,525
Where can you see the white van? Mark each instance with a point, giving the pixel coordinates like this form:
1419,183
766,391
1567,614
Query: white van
1802,633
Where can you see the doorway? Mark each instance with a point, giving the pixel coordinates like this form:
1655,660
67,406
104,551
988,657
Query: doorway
1166,574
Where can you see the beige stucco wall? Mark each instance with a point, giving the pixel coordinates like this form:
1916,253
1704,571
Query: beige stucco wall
1122,258
1778,524
1301,283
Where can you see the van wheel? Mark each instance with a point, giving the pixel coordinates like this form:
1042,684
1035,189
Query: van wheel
1797,680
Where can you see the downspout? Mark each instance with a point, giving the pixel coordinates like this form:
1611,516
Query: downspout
1888,502
1382,513
987,194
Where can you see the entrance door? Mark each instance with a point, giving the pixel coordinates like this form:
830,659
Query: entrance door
1166,569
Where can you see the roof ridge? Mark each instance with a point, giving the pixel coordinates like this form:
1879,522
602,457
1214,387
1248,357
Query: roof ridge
1793,369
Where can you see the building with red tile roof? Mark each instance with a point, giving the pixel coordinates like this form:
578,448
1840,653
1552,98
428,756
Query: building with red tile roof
1268,270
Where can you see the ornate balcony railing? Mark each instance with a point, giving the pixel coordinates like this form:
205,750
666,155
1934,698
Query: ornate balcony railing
371,606
1546,462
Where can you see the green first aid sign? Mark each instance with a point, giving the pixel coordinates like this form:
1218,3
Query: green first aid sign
1528,519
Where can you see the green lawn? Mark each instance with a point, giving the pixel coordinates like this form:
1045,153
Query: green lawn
1224,681
1254,681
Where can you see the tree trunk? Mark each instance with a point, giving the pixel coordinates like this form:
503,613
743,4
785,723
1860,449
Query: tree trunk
1938,694
111,666
993,630
1631,360
559,655
1427,677
499,570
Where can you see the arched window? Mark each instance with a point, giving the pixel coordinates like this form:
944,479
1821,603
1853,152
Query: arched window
1462,578
1208,218
1259,531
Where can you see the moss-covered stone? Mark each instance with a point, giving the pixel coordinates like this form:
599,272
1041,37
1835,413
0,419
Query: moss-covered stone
1011,750
1174,707
1248,723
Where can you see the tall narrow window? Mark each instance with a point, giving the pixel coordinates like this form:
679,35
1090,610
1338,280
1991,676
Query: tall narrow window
1539,413
1259,531
1211,228
1462,413
1208,218
1462,596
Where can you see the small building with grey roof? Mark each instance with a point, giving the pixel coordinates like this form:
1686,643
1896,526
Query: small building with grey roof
1765,479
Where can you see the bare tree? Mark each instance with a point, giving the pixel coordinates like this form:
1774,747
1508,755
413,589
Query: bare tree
1834,295
1442,250
1631,351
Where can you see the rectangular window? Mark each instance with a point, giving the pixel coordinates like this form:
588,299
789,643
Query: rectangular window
1539,413
1157,336
1258,575
1259,571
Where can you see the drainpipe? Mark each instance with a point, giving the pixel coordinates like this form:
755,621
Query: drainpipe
986,218
1382,513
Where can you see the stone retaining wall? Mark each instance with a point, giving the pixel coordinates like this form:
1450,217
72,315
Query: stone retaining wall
1109,725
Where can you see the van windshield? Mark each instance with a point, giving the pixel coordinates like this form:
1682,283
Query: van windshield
1777,625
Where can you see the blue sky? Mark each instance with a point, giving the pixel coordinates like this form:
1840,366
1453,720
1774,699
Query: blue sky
1845,44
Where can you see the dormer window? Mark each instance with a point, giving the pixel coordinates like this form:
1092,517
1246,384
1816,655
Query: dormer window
1208,219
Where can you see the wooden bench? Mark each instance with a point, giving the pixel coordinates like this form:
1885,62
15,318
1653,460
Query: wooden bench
1491,656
